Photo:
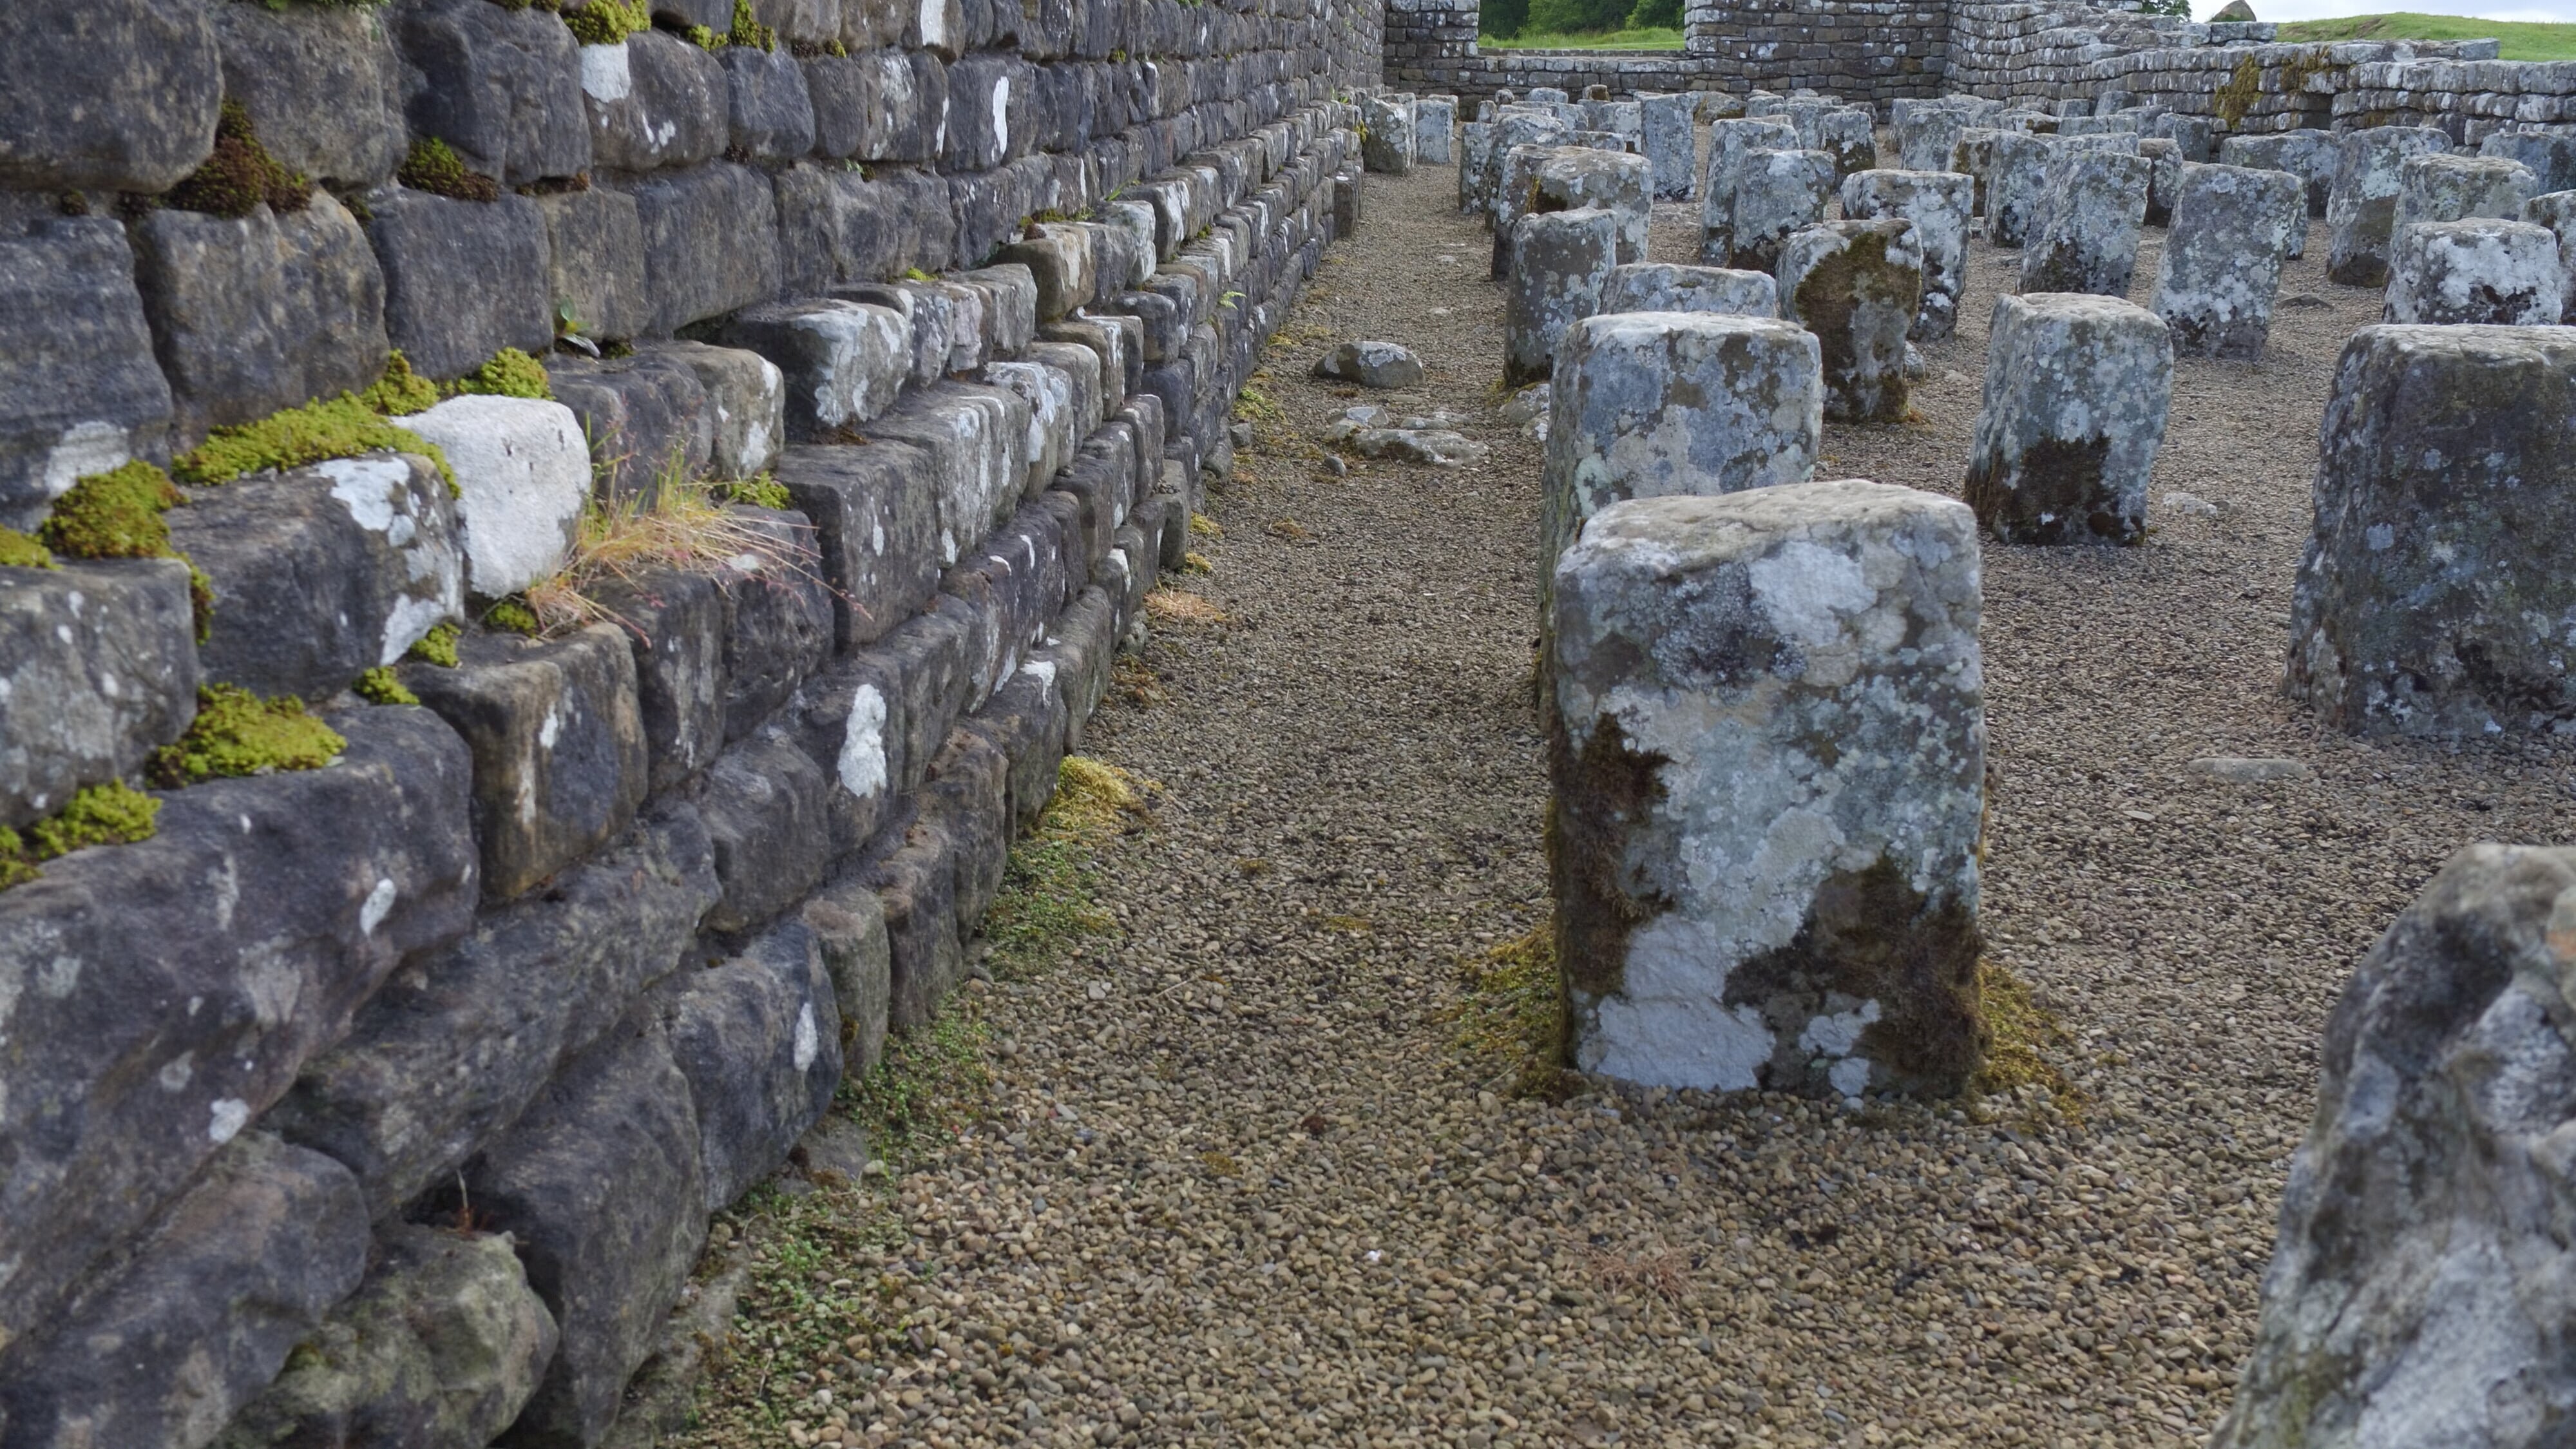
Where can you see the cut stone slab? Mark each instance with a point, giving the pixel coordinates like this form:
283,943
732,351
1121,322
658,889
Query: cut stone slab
1779,194
1387,134
759,1040
2450,186
848,922
2551,155
98,668
2222,258
1974,157
1850,136
1514,130
2416,1277
2505,273
2086,236
2077,389
1858,286
80,390
2016,188
1651,404
1672,287
710,241
1767,745
876,527
778,614
364,551
462,279
522,475
746,400
2311,156
1666,142
646,418
502,87
1937,203
119,96
1925,138
2429,598
1371,364
1435,127
1559,261
595,260
771,113
1729,142
1570,177
654,100
2362,206
322,85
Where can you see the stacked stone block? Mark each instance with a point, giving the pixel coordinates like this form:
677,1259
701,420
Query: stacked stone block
2085,238
2362,207
1937,203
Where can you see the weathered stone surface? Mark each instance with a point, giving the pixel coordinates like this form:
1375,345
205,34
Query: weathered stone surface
848,922
2222,258
125,1081
877,529
2077,388
522,475
1435,130
1973,156
1515,129
1058,259
1650,404
363,552
2311,156
118,96
654,100
2449,186
916,881
778,614
646,417
501,87
1671,287
1857,286
2164,178
1729,143
2016,189
2557,211
1767,741
976,439
1850,136
1387,134
80,392
759,1040
771,115
675,623
595,260
2501,272
1371,364
2417,1287
763,803
1665,140
710,241
1925,138
98,667
200,1318
2430,597
558,746
321,84
463,279
1937,203
2085,238
746,400
2550,155
1559,261
443,1344
1777,195
2362,206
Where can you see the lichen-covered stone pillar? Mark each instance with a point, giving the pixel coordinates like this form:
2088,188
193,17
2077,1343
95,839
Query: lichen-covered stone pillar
2362,206
1938,204
1386,136
2420,1289
1667,142
1857,286
2556,210
1475,143
1777,194
1973,156
2434,595
2222,258
2449,186
2014,190
2086,238
1559,261
1647,404
1729,140
1672,287
2077,388
1513,128
1767,746
1925,136
2476,271
1435,130
2311,156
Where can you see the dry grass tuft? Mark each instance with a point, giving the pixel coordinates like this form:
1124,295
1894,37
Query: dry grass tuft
1511,1016
1179,606
1290,529
1662,1272
621,542
1094,798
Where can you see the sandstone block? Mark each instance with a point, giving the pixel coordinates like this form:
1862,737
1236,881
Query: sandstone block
2222,258
1857,285
759,1040
80,391
2016,189
1666,141
2077,388
2481,271
976,440
877,529
2551,156
842,363
1435,126
778,623
522,475
2448,186
1729,143
710,241
595,261
1925,139
1560,259
1937,203
2085,238
100,666
1513,130
2362,206
646,417
1778,194
462,279
1671,287
2311,156
501,87
848,922
1387,134
1850,136
322,85
654,100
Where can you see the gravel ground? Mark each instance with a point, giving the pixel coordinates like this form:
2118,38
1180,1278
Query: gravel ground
1234,1181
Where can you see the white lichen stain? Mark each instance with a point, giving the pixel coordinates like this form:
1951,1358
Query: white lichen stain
225,1119
809,1041
378,904
862,763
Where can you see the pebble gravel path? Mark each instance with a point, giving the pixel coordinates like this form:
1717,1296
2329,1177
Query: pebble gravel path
1235,1182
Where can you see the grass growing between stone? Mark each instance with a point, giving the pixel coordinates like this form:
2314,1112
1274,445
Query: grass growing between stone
1511,1017
106,814
685,525
2026,1035
1047,903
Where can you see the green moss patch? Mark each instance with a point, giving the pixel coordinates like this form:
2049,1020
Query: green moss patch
438,646
515,616
2025,1036
340,427
401,391
433,166
22,551
1511,1016
761,492
238,733
108,814
608,22
116,514
380,686
508,373
239,175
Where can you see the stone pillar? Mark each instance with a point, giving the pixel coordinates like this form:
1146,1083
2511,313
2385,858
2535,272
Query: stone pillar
1615,181
2363,204
1514,128
1850,136
1937,202
2435,590
1778,193
2418,1282
2483,270
1857,285
1649,404
1767,747
1728,143
1668,145
1435,125
1671,287
1973,156
1925,137
2448,186
2222,258
2557,211
2086,239
2013,192
1559,261
2076,393
1475,144
2163,156
2551,155
2311,156
2194,136
1386,138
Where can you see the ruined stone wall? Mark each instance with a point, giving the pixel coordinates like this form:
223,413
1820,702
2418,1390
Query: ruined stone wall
425,1028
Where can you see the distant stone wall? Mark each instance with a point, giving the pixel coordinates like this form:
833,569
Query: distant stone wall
433,1056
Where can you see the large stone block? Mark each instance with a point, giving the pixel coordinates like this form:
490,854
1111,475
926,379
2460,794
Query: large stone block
1387,134
558,746
595,260
1671,287
646,417
1665,139
1858,286
2481,271
1435,130
843,363
2222,258
2311,156
877,528
768,108
362,553
746,398
1650,404
443,1344
119,96
2085,236
1560,259
304,889
1777,195
976,440
202,1315
80,392
1058,259
1974,157
463,279
778,614
1850,136
2077,388
501,87
460,1040
2557,211
2431,595
1937,203
710,241
759,1040
2449,186
1767,744
98,668
1729,142
848,922
1564,178
322,86
1925,138
522,476
2551,156
764,806
655,100
2016,188
1514,129
2362,205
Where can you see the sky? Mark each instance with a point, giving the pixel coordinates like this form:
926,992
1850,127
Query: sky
2327,9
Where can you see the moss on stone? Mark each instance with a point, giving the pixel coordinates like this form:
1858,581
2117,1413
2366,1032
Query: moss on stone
433,166
2236,97
107,814
438,646
239,174
507,373
115,514
401,391
340,427
608,22
380,686
747,29
238,733
761,492
515,616
22,551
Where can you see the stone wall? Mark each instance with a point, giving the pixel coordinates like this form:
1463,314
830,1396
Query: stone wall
432,1052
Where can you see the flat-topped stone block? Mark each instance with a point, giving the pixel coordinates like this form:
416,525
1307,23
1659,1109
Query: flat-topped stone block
2477,271
1857,285
1672,287
1777,195
2557,211
1560,259
2450,186
2085,238
1728,143
522,476
2222,258
2362,206
2077,388
1937,203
